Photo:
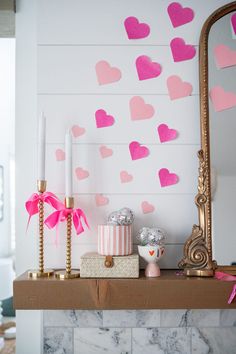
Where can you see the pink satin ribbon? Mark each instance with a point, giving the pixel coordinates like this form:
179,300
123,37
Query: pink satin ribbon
60,215
227,277
32,204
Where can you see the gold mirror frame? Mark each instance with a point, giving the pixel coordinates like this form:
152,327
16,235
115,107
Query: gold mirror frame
197,259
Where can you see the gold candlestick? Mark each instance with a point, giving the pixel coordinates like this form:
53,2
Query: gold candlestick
68,273
41,272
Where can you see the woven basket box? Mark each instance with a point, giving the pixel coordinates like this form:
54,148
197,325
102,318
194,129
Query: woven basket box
93,265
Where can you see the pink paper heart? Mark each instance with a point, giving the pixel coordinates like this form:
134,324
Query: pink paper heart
178,88
233,22
105,151
167,178
138,151
147,207
165,133
125,177
81,174
224,56
179,15
147,69
103,119
107,74
181,51
101,200
139,109
135,29
77,131
221,99
60,155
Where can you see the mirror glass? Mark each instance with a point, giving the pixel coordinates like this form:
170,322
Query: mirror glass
222,125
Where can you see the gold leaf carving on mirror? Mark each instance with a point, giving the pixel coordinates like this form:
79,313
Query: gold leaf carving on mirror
197,259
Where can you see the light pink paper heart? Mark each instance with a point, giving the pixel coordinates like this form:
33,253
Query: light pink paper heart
166,178
103,119
221,99
77,131
147,207
233,22
138,151
60,155
181,51
107,74
105,151
179,15
101,200
178,88
165,133
135,29
81,173
147,69
224,56
139,109
125,177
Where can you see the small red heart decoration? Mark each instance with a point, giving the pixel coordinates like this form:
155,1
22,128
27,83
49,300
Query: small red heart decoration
151,253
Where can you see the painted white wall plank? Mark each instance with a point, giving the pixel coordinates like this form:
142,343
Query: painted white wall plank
170,214
104,174
101,22
71,70
64,112
56,258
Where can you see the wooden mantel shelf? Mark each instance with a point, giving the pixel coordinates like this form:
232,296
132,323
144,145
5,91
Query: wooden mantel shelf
167,292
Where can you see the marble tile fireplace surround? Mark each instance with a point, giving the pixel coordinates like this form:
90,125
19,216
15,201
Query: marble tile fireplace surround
139,331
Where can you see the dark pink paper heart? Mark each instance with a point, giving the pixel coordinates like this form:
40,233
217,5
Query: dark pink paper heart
147,69
135,29
138,151
233,22
181,51
103,119
165,133
179,15
167,178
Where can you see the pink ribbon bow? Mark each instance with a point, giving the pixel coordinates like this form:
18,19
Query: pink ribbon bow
32,204
61,215
227,277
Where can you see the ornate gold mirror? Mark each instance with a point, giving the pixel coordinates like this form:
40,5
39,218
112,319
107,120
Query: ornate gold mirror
215,236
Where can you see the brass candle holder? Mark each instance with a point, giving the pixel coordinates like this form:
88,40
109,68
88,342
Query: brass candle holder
41,272
68,273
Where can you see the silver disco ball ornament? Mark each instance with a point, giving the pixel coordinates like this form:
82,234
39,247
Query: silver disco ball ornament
142,236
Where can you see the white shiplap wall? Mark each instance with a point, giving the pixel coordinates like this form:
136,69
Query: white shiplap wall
72,37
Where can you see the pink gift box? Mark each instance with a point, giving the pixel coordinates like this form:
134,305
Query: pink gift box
115,240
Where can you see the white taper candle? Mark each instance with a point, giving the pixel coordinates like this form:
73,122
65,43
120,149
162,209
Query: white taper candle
41,147
68,164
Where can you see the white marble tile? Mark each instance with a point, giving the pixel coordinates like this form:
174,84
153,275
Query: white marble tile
190,318
214,340
58,341
119,318
161,341
72,318
147,318
102,340
131,318
228,317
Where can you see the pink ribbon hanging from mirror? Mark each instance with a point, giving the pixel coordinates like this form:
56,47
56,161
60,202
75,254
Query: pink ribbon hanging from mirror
227,277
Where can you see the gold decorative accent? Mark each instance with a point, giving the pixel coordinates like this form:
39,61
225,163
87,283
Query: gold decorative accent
41,272
41,186
69,202
197,259
68,273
